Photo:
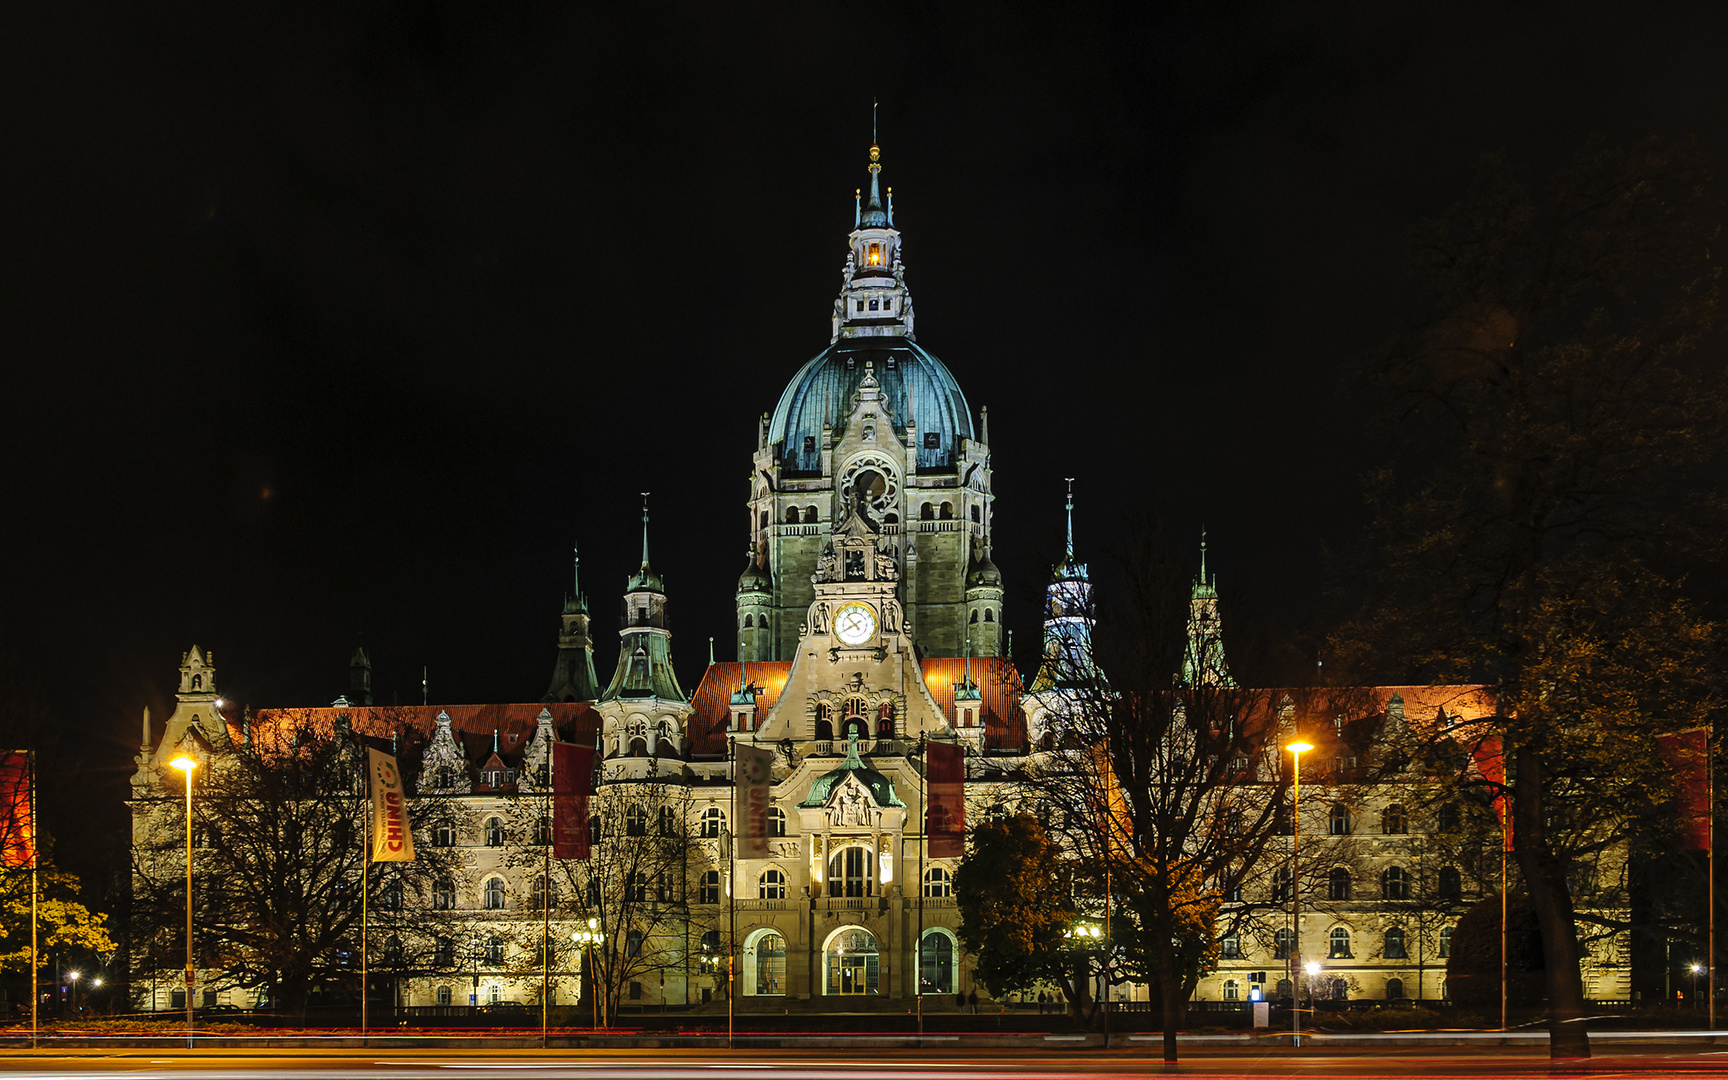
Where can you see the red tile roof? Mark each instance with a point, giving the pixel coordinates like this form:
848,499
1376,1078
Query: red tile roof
998,685
473,725
713,700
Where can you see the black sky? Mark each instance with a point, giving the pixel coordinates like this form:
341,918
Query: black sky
331,323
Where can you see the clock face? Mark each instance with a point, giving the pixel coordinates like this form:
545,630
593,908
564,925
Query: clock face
854,623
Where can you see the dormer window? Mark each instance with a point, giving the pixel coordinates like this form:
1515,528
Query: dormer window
874,305
932,440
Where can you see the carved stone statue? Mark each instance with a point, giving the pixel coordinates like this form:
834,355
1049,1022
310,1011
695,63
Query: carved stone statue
886,568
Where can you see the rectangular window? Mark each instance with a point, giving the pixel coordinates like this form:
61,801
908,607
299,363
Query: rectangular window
888,305
809,444
873,305
860,305
635,991
932,440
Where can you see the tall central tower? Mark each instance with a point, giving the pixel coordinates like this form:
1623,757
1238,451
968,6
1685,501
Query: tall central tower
873,425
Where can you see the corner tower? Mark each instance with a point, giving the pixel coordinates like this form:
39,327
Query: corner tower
875,424
643,709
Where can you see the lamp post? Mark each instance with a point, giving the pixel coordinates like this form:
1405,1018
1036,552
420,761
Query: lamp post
72,980
1312,967
1297,749
186,765
587,939
1697,970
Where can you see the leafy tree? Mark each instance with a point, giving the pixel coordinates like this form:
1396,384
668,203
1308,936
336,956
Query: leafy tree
1014,890
281,824
1551,418
1473,969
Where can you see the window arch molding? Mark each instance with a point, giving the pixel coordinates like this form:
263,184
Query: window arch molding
851,963
938,960
764,963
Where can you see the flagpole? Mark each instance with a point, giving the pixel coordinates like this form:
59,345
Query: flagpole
365,865
546,925
923,843
732,895
35,968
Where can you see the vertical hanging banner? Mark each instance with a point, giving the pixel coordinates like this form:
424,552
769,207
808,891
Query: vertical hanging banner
17,814
755,779
1491,764
572,781
392,840
946,809
1688,755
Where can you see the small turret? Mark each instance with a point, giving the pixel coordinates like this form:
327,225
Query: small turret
573,677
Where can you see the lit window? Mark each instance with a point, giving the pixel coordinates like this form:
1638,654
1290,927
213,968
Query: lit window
1395,944
776,821
494,894
1230,946
771,885
713,822
1338,884
938,882
1340,941
710,890
873,305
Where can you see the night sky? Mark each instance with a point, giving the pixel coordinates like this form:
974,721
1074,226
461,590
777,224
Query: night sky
331,324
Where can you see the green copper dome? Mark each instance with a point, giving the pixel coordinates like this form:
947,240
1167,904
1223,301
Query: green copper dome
880,787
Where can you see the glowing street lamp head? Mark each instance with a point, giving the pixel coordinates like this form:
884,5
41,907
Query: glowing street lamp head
1312,968
184,763
1299,747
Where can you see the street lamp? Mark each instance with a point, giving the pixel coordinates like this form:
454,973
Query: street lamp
1297,749
72,978
587,939
1697,970
186,765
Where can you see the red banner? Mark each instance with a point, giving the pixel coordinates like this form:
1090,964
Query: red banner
1688,754
945,809
572,782
1491,764
17,813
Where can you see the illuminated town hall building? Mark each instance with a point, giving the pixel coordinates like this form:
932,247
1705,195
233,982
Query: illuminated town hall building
868,618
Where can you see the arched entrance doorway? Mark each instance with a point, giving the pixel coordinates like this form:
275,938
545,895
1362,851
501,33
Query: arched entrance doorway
852,963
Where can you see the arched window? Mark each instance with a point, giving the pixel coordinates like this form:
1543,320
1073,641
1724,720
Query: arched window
1281,886
974,619
1395,884
809,515
443,953
1445,942
824,721
1232,990
1451,883
885,722
977,515
946,513
1338,823
542,897
1283,989
709,893
668,821
1394,949
936,955
749,622
493,894
636,822
776,821
989,615
852,872
791,515
1338,884
1281,944
713,823
638,748
1451,818
771,885
444,895
443,995
1394,989
1230,946
1340,941
853,966
494,950
633,944
927,512
938,882
1394,820
853,726
764,964
494,832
